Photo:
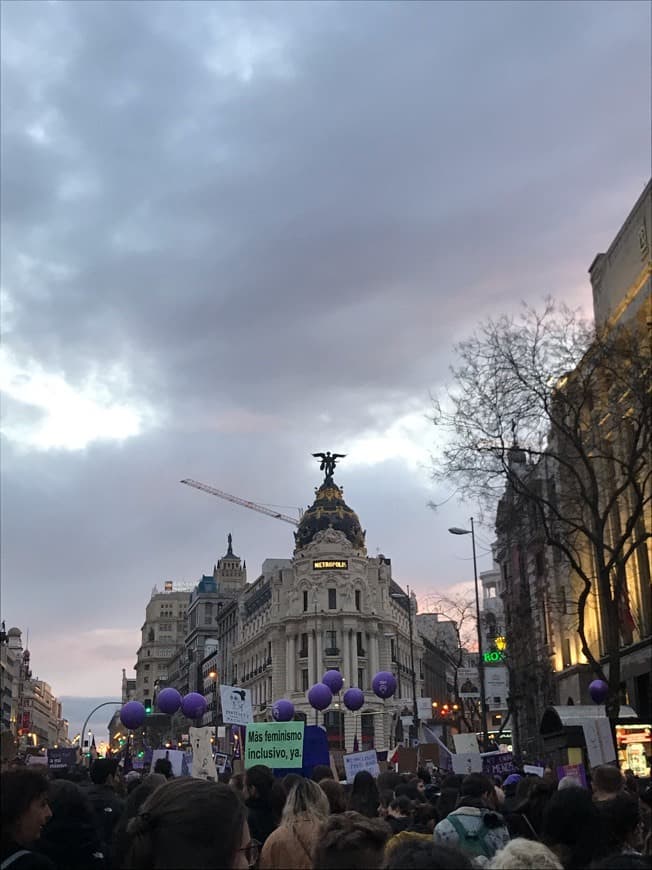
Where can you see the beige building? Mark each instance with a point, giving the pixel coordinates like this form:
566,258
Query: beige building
162,636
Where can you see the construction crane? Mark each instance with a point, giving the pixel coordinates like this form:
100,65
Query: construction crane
211,490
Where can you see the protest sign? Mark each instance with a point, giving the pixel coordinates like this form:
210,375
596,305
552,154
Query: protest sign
467,762
177,758
407,760
424,708
203,764
357,761
221,760
599,741
498,764
236,705
466,743
276,744
61,759
533,769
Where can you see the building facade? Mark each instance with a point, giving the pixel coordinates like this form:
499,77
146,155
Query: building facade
162,637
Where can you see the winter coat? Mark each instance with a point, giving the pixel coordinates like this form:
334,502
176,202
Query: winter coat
472,819
72,845
261,818
107,809
21,858
290,846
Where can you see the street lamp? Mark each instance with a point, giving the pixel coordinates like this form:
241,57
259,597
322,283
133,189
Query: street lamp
415,708
483,700
213,676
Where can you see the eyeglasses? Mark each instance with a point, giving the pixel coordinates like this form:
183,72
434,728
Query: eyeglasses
251,852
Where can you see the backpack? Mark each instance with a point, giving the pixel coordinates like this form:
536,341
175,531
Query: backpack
472,843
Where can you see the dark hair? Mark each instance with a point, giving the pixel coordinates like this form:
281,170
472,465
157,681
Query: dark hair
261,778
321,771
186,823
70,838
424,775
453,780
364,797
408,790
425,817
571,826
402,805
350,840
389,780
533,807
621,816
335,794
417,854
164,766
447,801
134,802
19,787
607,778
476,785
623,861
102,769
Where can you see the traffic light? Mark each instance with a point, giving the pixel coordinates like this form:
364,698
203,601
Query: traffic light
148,706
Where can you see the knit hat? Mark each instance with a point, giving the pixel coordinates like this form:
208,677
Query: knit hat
512,779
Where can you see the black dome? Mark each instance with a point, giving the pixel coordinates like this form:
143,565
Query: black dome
329,510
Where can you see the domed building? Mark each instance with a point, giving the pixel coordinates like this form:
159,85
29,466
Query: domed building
331,606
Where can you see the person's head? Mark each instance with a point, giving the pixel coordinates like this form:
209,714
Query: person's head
321,771
236,783
305,800
538,797
103,771
164,767
334,794
572,828
24,806
606,781
400,808
569,782
476,791
388,780
424,775
522,854
385,797
417,854
190,823
132,780
350,840
134,802
69,803
621,820
410,790
364,797
259,782
424,817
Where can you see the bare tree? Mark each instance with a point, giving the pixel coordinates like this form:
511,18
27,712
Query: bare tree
576,403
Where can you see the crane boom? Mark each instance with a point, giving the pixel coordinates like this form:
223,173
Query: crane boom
211,490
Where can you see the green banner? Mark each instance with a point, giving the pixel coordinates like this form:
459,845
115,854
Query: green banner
275,744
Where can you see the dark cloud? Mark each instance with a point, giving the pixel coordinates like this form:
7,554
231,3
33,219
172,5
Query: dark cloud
275,219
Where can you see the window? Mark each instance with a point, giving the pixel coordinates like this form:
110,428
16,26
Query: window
392,645
361,650
361,678
147,667
305,600
304,680
303,652
358,600
331,643
332,599
208,612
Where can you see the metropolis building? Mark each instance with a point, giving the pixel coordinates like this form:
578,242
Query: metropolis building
331,606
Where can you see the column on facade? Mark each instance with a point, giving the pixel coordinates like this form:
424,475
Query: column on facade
354,659
311,656
373,654
346,657
319,653
291,663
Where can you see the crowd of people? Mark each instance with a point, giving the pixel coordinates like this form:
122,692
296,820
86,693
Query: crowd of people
103,820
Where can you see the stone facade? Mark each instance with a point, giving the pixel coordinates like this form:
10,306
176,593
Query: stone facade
162,637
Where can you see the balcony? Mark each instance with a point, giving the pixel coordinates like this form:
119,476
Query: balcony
332,651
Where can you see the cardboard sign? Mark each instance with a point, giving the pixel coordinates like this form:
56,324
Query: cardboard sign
275,744
469,762
466,743
236,705
424,708
575,771
357,761
407,760
429,752
203,764
599,741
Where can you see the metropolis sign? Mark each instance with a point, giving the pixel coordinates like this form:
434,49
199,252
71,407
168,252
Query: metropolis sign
330,565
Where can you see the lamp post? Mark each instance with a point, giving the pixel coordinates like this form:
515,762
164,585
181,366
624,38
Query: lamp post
483,699
415,708
213,676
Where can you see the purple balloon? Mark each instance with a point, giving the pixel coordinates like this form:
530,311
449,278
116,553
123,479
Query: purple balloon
283,711
353,698
598,690
334,680
320,696
132,715
193,705
168,701
384,684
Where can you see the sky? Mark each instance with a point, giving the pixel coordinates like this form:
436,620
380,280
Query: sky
235,234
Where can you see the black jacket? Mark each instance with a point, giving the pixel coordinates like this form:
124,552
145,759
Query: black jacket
107,809
261,819
30,861
72,845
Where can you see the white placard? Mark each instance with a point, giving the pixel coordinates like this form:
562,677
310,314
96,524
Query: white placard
203,764
357,761
599,741
424,708
468,762
468,682
606,738
236,705
466,743
496,686
534,769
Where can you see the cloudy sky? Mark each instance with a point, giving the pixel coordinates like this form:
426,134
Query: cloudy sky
238,233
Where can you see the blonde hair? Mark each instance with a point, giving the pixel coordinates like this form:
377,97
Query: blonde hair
522,854
305,799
